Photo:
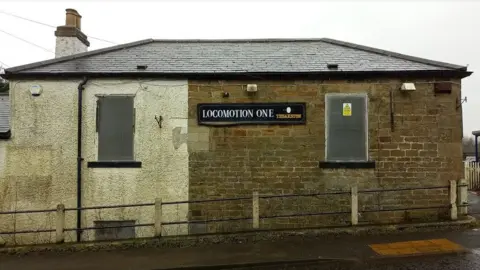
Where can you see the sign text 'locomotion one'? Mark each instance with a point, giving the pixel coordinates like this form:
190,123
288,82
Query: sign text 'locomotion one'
251,113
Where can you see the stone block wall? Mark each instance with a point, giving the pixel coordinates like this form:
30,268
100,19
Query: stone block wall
423,149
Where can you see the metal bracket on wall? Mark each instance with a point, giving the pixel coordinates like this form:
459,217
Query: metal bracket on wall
159,120
459,103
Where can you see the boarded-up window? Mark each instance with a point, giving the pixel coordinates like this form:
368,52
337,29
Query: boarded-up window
346,127
115,127
102,231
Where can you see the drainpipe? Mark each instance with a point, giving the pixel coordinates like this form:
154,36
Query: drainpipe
79,158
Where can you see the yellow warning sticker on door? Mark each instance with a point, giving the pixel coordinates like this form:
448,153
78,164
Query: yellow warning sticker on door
347,109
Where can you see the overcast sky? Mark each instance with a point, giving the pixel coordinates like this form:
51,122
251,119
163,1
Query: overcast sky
439,30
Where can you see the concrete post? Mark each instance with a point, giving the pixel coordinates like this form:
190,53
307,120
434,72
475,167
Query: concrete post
256,210
354,199
462,192
453,200
60,224
158,217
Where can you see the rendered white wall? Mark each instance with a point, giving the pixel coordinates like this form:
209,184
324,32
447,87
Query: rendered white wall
39,165
65,46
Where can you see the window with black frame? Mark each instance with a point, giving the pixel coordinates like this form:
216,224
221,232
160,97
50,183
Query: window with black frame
115,128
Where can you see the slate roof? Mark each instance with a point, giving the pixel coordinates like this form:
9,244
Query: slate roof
233,56
4,116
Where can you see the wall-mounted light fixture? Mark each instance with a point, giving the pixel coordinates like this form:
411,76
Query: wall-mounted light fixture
251,88
408,87
35,90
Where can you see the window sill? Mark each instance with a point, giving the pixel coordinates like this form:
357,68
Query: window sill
347,165
114,164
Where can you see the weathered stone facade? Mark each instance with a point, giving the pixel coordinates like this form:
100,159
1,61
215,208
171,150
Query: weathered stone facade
423,149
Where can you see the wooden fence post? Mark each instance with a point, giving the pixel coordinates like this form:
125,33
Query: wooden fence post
60,224
453,200
462,193
158,217
354,206
255,210
467,173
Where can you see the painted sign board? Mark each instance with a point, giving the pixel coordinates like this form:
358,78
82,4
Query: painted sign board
228,114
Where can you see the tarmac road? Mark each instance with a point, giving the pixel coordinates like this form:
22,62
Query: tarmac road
338,253
446,262
469,261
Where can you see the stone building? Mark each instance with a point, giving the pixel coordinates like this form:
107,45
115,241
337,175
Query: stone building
201,119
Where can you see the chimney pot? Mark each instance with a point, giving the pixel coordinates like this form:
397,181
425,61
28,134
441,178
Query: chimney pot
78,21
72,18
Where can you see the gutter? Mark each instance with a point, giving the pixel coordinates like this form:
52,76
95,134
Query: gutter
79,157
325,75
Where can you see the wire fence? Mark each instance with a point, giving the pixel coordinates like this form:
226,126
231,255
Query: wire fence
256,212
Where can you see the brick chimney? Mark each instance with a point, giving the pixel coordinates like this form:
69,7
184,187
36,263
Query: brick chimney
70,38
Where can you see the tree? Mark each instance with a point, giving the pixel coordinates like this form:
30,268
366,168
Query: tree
468,144
4,85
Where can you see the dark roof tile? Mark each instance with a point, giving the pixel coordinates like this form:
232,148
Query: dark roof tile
234,56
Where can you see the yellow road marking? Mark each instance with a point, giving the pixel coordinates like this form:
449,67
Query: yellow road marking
416,247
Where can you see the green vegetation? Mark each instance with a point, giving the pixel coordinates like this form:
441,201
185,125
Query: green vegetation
4,85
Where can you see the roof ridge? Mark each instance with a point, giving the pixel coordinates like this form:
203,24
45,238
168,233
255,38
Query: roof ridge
238,40
394,54
77,56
